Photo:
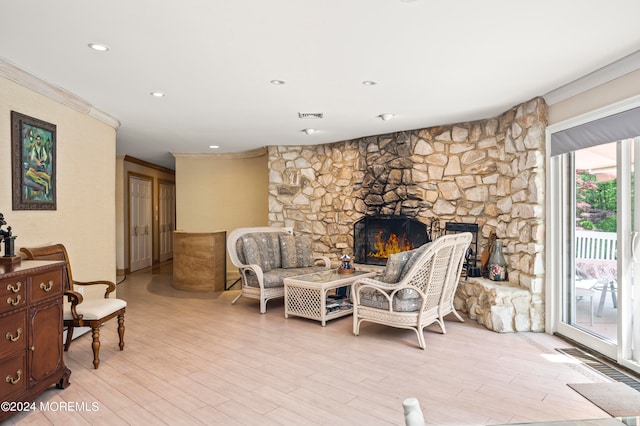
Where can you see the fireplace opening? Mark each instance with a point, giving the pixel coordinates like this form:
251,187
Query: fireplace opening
375,237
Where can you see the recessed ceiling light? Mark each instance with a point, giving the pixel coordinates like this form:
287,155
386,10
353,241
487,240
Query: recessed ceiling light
99,47
369,83
157,94
214,146
278,82
309,131
386,116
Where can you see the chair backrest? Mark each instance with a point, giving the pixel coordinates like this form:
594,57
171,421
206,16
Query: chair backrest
459,246
437,271
54,252
236,234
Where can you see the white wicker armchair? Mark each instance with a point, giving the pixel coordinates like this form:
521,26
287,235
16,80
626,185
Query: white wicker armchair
423,295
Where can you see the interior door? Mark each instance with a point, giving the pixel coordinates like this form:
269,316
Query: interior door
140,220
166,220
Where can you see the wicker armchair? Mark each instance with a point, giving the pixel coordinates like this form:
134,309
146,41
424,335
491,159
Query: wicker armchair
424,293
277,255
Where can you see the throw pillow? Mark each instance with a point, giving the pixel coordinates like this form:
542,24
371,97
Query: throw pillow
395,264
240,251
414,256
269,244
295,250
254,253
287,250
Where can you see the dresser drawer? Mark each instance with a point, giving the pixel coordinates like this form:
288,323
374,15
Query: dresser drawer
13,376
45,285
13,333
13,293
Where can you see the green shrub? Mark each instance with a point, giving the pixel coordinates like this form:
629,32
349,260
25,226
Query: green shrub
608,224
586,224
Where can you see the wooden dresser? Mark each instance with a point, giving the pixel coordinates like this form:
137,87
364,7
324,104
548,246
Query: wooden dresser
31,330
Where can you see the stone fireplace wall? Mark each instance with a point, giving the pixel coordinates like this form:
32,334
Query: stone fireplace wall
489,172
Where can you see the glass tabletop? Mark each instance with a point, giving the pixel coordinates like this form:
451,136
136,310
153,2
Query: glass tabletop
328,276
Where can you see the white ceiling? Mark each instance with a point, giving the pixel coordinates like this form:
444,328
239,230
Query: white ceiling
435,61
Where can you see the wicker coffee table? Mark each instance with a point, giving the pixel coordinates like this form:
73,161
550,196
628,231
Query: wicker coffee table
306,295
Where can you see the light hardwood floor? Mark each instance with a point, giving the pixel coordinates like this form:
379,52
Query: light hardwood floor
193,358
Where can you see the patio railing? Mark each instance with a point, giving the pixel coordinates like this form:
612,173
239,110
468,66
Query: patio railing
596,245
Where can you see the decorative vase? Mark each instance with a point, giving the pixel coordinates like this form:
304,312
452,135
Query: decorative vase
497,263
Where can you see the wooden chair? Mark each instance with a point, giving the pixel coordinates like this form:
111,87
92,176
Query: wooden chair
83,313
424,294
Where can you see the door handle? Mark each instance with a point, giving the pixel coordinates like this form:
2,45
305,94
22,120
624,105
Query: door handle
635,246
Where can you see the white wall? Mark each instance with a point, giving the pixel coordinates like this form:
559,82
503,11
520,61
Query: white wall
85,217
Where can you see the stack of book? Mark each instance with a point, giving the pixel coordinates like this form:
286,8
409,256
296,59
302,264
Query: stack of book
338,303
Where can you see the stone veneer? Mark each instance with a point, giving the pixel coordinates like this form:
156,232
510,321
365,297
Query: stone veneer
489,172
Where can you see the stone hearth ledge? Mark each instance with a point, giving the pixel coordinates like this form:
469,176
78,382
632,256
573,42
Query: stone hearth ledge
498,306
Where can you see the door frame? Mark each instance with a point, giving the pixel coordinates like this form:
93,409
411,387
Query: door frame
558,238
173,184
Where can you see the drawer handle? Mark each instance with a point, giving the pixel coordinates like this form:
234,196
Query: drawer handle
14,339
46,287
13,381
14,302
16,288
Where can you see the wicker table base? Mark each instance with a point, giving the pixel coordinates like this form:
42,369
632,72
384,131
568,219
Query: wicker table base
306,295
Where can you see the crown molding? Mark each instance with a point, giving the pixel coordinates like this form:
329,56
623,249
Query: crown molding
258,152
598,77
51,91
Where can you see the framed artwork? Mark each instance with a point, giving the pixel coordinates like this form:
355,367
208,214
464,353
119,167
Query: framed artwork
33,168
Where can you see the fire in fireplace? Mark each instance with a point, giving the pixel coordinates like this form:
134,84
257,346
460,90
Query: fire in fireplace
376,237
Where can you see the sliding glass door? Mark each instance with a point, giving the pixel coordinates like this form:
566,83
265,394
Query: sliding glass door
593,238
591,297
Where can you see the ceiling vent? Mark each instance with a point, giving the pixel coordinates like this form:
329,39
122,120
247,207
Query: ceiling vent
310,115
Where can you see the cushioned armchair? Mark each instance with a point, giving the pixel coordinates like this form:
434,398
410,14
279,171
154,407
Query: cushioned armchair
82,312
265,256
416,288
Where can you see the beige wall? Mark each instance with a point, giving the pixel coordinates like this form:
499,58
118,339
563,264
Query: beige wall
85,217
221,192
606,94
125,166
